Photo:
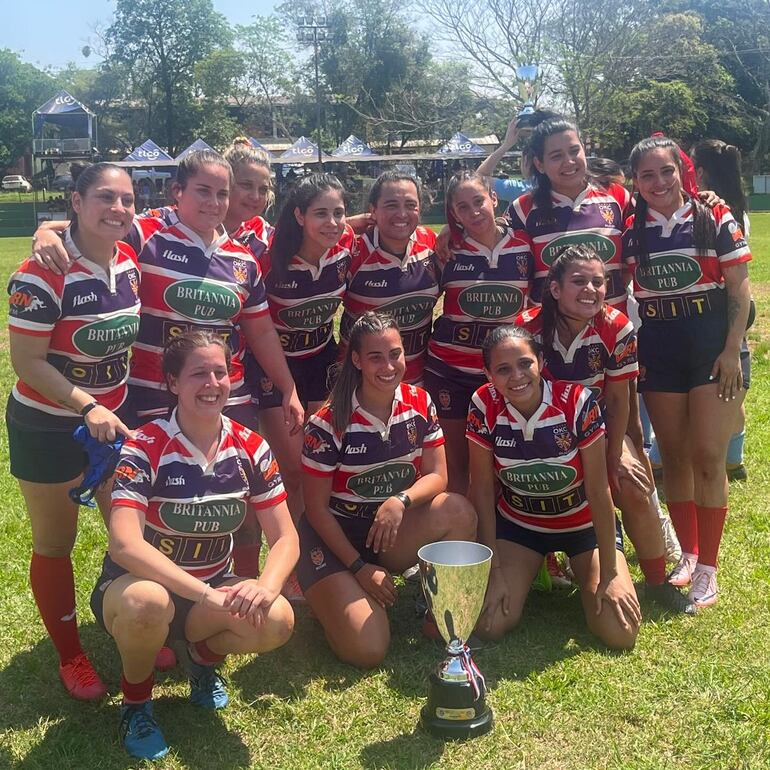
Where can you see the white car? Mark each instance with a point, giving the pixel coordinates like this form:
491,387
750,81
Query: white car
16,182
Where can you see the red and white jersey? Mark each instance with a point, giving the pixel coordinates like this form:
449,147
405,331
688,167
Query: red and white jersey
595,218
303,302
678,282
371,460
149,222
482,290
406,288
188,286
192,506
255,234
89,316
604,350
537,461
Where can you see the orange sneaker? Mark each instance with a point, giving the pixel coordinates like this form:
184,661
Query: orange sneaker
81,680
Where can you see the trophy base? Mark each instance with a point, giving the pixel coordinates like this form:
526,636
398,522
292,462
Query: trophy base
456,730
452,711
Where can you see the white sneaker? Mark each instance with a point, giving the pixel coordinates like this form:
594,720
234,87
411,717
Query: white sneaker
704,591
682,574
670,540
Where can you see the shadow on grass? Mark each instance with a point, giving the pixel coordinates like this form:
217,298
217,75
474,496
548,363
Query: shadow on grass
409,751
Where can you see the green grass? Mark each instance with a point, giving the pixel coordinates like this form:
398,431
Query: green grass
695,693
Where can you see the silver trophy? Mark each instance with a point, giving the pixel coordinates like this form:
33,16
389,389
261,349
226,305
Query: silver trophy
527,75
454,576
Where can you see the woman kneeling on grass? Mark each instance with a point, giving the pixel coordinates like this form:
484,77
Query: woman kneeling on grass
182,487
543,445
374,492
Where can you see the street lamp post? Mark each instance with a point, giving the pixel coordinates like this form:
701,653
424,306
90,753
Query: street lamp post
311,31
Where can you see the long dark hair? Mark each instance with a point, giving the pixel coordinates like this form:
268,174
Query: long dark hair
287,238
508,331
541,184
348,376
84,177
703,225
722,164
549,310
456,230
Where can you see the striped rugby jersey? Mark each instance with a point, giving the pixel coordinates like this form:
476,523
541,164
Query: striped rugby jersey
678,282
604,350
192,506
91,318
405,288
537,461
482,290
304,302
255,234
371,460
188,286
149,222
595,218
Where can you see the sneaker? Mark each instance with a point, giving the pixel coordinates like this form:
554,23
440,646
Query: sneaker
704,590
670,598
737,472
559,578
291,590
670,540
681,575
165,660
81,680
207,687
412,574
140,733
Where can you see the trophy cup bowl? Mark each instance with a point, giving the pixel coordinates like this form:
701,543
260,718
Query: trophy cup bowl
527,75
454,576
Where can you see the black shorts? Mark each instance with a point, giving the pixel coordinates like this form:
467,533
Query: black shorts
182,606
572,543
452,396
317,561
312,377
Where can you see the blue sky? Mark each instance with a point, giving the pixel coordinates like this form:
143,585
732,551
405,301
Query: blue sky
51,33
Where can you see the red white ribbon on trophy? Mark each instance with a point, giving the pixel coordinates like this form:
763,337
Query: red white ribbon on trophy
472,671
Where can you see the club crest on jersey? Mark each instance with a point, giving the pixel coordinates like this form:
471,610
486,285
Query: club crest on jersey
133,279
444,398
562,437
267,385
342,269
317,557
594,358
522,264
411,433
240,271
608,214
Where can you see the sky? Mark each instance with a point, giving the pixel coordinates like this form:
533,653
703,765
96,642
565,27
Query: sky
52,33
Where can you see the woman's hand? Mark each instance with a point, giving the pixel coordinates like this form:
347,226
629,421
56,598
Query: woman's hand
441,249
498,597
104,425
48,251
378,583
727,370
293,412
249,599
382,533
628,467
622,602
710,198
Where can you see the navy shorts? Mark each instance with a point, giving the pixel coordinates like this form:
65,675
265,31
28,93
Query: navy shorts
452,396
572,543
182,606
317,561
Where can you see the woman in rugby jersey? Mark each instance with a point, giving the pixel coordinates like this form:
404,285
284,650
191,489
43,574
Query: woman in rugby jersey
374,485
690,277
70,335
486,284
183,486
542,445
589,343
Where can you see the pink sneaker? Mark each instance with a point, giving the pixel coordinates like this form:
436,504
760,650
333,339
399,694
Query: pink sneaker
682,574
704,591
165,660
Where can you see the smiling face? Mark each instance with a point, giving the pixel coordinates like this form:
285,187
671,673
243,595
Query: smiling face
203,384
581,291
514,370
564,163
250,193
397,214
322,223
202,203
381,363
474,206
106,210
659,181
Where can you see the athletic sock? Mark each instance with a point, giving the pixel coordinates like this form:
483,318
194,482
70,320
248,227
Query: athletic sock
246,560
711,522
685,518
654,570
202,654
53,586
137,692
735,449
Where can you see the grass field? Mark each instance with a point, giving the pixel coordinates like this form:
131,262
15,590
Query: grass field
695,693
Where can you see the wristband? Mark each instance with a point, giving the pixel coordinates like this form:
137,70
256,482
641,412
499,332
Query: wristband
87,408
404,499
357,565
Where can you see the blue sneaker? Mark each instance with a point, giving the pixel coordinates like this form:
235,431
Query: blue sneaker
140,732
207,687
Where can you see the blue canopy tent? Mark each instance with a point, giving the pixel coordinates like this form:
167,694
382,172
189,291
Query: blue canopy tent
302,151
197,145
353,149
64,127
148,151
460,146
257,145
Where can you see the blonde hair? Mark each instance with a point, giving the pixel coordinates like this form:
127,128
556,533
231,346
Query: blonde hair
242,152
